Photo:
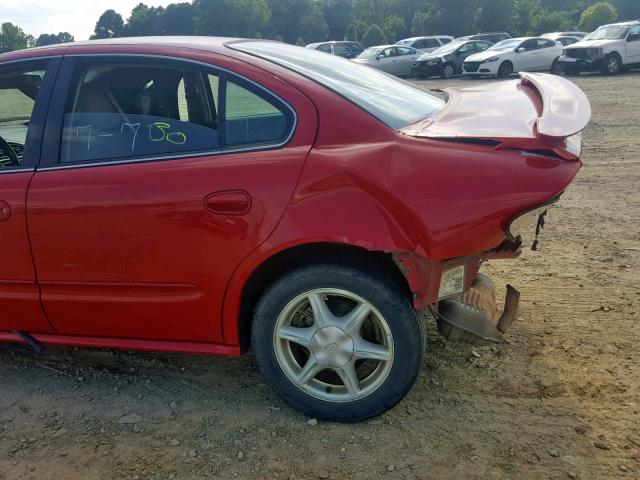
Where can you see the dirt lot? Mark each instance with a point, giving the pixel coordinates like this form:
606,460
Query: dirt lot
560,400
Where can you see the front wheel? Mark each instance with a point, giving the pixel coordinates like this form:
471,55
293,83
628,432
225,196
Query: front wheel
448,71
612,64
505,70
338,342
556,67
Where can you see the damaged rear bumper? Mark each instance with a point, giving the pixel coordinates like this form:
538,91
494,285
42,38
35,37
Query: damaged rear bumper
473,316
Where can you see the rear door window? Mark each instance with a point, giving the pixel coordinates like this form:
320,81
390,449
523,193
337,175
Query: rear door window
119,111
153,110
430,43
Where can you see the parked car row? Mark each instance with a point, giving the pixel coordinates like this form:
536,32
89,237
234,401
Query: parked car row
610,49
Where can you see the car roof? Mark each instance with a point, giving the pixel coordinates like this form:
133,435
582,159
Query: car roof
212,44
413,39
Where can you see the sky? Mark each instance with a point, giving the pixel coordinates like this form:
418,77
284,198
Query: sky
78,17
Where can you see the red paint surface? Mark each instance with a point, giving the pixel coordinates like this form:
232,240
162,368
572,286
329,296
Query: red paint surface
136,256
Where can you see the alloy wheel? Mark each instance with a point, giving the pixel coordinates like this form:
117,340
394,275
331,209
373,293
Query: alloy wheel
447,71
613,64
334,345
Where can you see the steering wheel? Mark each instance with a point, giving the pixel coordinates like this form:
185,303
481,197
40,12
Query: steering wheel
15,160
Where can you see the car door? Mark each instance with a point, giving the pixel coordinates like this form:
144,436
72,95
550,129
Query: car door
546,53
161,175
524,57
633,45
25,90
466,50
406,59
387,60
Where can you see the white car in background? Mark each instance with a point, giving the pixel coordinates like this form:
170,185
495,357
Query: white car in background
524,54
393,59
425,44
610,49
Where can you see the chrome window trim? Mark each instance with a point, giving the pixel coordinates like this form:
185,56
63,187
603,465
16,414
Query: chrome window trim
190,154
201,153
30,59
29,168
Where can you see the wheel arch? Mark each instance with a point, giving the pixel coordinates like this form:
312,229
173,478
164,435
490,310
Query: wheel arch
288,259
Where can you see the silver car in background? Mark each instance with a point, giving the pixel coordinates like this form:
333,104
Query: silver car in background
393,59
425,44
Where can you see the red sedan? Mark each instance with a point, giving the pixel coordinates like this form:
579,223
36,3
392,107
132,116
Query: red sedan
206,195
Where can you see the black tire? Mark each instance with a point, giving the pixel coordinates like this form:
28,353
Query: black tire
505,70
556,67
611,64
448,71
385,295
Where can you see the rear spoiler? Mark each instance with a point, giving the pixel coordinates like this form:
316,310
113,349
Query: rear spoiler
565,108
538,112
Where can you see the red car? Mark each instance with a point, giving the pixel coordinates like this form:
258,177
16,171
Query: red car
206,195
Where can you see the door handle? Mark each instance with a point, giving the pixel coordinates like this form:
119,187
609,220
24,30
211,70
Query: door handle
5,211
228,202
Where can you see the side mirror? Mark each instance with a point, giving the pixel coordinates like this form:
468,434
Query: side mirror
521,49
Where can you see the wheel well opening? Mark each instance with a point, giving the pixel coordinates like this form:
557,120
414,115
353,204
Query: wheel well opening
304,255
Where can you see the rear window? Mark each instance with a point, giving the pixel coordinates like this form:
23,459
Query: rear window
395,102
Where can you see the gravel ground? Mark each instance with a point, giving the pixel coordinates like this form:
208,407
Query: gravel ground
559,400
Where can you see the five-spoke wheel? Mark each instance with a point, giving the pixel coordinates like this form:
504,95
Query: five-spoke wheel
337,341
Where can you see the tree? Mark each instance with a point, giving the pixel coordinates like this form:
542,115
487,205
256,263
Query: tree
235,18
47,39
356,31
627,9
495,15
597,14
13,38
338,14
371,11
145,20
313,26
373,36
394,28
178,19
421,24
286,16
109,25
65,37
552,22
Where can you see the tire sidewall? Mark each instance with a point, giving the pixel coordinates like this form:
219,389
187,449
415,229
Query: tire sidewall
394,308
453,70
605,65
508,66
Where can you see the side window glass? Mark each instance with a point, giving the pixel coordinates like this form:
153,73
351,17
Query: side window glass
529,45
466,48
18,92
342,50
251,119
431,43
325,48
122,111
481,47
444,41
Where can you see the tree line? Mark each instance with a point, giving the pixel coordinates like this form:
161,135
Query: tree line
368,21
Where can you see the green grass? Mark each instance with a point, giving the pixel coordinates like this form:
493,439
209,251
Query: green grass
14,105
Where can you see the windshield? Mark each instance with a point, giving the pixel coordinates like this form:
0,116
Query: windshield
608,32
445,49
509,44
392,101
404,42
370,53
